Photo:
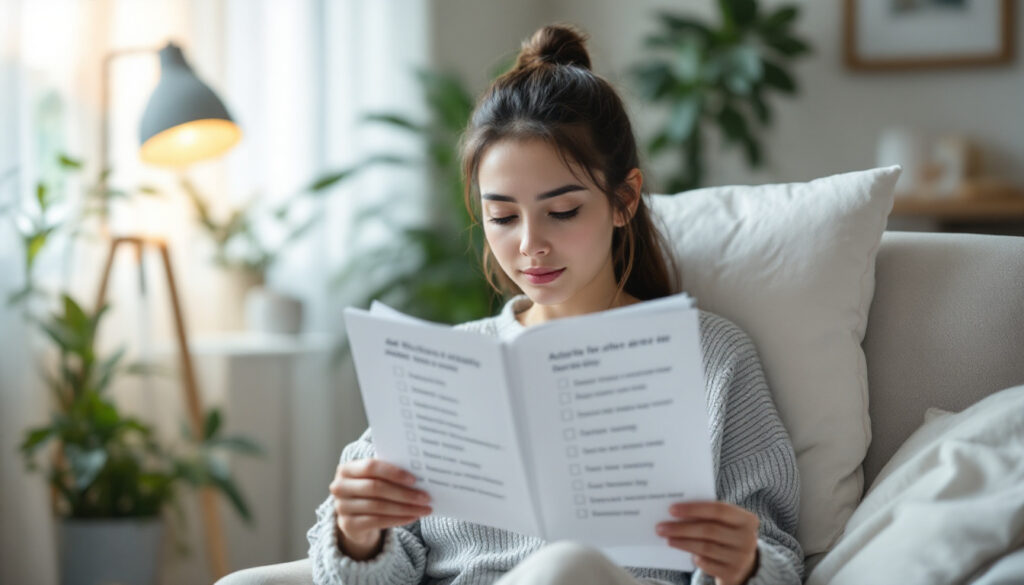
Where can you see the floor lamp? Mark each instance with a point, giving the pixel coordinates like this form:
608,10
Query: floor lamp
184,122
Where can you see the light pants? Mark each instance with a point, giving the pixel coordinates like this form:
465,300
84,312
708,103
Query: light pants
568,563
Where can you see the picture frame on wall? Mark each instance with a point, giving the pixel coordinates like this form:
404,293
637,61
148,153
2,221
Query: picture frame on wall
916,34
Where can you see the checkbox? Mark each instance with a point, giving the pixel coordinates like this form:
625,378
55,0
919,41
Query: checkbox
409,424
410,435
565,398
577,484
563,383
403,400
399,372
581,513
400,386
566,415
413,451
569,434
406,413
574,469
571,451
415,464
580,499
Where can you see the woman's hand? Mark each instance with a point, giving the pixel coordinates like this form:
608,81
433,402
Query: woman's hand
722,537
373,495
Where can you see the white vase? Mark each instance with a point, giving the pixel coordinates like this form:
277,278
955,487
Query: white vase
109,550
267,311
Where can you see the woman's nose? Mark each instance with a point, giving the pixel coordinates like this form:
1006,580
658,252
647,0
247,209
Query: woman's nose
533,242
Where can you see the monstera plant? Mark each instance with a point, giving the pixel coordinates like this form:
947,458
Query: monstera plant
717,77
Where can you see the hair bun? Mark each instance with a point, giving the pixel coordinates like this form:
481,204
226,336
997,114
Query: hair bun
557,44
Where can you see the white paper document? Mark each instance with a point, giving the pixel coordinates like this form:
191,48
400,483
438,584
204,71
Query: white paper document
584,428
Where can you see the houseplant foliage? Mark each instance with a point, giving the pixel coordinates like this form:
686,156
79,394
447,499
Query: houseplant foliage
100,462
241,239
428,270
717,77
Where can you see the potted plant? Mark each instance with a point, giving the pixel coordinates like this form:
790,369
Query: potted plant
250,239
717,76
111,476
429,270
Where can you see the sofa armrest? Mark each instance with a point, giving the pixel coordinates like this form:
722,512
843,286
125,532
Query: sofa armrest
294,573
945,329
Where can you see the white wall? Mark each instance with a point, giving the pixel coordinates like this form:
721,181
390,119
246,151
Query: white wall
834,124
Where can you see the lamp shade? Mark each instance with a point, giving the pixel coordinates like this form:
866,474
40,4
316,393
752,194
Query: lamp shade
184,121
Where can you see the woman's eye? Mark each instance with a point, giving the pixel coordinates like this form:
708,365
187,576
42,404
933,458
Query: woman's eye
502,220
566,214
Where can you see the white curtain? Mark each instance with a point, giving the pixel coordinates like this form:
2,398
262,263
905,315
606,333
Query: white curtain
295,75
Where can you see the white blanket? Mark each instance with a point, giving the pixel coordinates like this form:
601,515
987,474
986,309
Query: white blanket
947,506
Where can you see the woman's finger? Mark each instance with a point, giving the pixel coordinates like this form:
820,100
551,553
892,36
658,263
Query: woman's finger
715,532
703,548
360,524
375,468
377,489
372,507
722,512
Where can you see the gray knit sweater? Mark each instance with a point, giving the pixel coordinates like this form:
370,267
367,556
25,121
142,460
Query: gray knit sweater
753,461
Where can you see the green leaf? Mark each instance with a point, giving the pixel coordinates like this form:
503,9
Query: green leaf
21,295
85,464
41,196
658,144
221,478
788,46
733,125
35,438
67,162
106,369
212,424
760,106
775,76
450,104
394,120
781,18
683,119
742,13
330,179
75,318
150,190
237,444
34,245
679,25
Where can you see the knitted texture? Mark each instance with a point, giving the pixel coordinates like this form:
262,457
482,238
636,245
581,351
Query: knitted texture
753,462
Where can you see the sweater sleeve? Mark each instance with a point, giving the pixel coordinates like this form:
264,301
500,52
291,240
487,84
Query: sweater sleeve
754,459
402,560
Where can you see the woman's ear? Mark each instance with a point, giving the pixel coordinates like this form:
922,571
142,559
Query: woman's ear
631,192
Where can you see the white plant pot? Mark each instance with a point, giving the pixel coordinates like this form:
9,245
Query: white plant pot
267,311
102,551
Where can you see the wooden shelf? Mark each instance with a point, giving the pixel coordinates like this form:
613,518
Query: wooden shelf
960,209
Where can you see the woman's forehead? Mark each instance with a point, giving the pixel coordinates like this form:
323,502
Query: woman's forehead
525,164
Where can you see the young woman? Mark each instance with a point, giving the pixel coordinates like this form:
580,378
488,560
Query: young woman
551,165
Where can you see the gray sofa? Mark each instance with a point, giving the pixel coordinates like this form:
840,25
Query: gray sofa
945,329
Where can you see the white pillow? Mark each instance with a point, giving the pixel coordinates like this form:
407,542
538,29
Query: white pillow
950,501
794,266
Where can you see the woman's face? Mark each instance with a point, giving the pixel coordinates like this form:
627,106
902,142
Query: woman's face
549,229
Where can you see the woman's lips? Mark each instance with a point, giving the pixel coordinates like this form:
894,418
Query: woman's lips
543,277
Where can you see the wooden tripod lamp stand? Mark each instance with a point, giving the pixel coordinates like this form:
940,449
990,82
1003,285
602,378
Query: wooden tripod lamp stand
184,122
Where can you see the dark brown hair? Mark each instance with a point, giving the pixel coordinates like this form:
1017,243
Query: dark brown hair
552,95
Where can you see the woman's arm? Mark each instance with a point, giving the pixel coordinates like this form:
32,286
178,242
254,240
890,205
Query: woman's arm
402,557
755,464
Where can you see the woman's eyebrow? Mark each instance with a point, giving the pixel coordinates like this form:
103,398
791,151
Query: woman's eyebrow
546,195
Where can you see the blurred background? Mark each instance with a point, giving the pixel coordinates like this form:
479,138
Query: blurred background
285,159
